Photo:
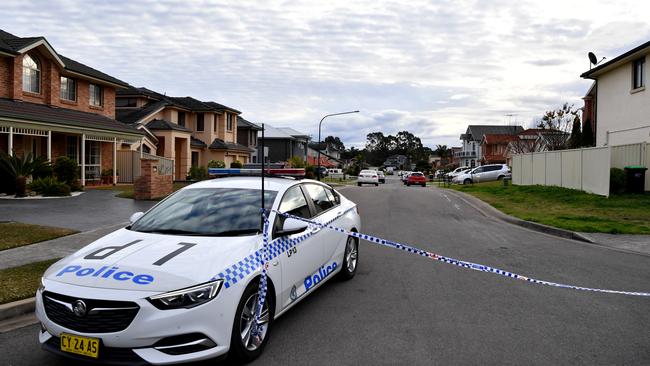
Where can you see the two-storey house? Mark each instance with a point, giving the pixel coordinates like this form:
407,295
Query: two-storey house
618,104
283,143
54,106
471,153
185,129
247,135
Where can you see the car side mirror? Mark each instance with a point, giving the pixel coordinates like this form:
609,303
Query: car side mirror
291,226
135,217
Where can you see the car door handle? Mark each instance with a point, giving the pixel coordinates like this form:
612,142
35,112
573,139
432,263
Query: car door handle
275,263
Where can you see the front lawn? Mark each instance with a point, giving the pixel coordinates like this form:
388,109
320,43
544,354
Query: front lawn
126,190
16,234
566,208
21,282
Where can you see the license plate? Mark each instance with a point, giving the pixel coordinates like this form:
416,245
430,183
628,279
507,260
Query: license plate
80,345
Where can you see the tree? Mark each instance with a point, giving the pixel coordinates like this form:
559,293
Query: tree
443,152
557,124
587,135
575,140
335,143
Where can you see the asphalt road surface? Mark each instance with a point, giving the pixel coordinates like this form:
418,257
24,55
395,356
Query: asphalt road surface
408,310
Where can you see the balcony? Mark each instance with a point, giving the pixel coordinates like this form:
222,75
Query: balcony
465,154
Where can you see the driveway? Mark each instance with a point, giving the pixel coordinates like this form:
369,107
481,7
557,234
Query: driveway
90,210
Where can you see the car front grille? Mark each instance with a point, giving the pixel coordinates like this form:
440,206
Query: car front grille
102,316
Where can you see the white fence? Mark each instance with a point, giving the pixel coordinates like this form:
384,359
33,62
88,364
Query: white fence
584,169
128,165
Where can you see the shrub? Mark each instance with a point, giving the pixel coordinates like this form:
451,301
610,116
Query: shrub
310,172
236,164
42,168
616,180
216,164
50,186
19,167
198,173
66,170
296,162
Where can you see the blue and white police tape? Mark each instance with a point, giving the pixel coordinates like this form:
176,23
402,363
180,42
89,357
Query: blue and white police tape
456,262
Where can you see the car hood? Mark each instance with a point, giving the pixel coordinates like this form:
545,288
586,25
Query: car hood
130,260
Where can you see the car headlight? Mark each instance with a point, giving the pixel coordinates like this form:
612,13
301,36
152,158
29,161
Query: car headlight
187,297
41,287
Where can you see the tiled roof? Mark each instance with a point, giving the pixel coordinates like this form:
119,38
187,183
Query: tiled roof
10,108
12,44
197,142
219,144
134,115
477,131
292,132
161,124
221,107
192,104
242,123
498,139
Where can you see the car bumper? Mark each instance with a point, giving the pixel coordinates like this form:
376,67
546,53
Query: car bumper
367,181
150,325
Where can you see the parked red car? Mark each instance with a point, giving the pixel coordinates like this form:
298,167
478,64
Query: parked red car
416,178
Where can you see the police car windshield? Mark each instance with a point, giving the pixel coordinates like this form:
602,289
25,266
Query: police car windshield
207,212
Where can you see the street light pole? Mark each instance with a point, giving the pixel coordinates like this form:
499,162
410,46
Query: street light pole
319,142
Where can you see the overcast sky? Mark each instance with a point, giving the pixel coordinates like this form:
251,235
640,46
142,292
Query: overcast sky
429,67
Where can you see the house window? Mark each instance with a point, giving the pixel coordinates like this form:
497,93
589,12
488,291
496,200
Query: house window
31,75
68,89
181,119
72,148
195,158
228,122
216,118
96,95
93,160
126,102
199,122
639,74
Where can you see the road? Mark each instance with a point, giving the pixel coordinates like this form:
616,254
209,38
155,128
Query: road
405,309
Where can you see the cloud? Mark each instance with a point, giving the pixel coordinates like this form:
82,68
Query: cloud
427,67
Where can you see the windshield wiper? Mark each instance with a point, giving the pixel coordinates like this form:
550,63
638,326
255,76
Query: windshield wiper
234,232
194,233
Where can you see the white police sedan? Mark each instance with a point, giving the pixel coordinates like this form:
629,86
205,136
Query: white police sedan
180,283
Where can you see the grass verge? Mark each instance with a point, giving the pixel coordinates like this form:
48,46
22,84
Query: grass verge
126,190
21,282
567,208
16,234
335,181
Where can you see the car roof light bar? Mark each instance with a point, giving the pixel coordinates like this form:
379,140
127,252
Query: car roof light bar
290,172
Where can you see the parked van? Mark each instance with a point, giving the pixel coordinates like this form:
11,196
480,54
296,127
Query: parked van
335,173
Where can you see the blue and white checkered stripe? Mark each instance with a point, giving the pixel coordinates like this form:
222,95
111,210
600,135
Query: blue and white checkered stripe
275,248
457,262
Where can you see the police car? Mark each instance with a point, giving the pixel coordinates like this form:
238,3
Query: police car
180,283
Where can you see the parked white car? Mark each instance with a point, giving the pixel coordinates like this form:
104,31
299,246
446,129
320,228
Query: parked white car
368,177
180,284
457,171
485,173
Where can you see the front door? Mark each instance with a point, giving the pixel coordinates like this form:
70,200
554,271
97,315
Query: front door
301,260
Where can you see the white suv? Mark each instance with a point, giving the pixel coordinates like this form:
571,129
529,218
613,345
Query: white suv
485,173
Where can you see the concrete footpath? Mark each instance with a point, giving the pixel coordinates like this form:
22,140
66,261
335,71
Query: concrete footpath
637,244
55,248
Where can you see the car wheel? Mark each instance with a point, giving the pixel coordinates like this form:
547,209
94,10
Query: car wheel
500,177
467,181
244,346
359,184
424,184
350,259
376,184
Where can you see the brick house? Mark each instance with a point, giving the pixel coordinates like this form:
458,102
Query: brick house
185,129
494,148
53,106
471,153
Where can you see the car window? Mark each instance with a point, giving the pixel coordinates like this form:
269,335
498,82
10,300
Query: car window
294,203
319,196
478,170
493,168
207,212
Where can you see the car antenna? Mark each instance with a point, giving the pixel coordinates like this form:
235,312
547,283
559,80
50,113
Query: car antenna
262,150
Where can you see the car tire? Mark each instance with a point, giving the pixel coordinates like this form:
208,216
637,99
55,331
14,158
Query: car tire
359,184
467,181
424,184
500,177
244,318
408,184
376,184
348,271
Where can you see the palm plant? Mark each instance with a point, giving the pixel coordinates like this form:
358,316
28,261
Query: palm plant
20,167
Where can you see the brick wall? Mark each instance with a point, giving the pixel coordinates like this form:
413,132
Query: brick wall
11,86
150,184
107,155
